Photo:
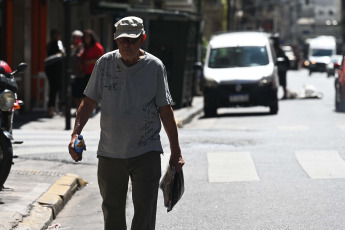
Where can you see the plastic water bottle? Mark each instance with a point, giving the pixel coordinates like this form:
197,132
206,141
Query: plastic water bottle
79,144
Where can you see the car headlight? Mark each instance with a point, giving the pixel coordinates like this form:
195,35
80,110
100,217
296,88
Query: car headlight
210,83
265,81
7,100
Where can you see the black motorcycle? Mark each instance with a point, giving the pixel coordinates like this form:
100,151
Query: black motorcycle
8,103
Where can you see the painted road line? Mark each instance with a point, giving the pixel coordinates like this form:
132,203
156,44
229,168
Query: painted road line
321,164
342,127
231,167
23,150
293,127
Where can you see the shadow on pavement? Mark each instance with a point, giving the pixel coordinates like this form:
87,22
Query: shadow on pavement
22,119
239,114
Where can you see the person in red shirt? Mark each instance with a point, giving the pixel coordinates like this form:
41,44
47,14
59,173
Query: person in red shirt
92,51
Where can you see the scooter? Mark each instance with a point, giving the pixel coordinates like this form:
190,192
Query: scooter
8,103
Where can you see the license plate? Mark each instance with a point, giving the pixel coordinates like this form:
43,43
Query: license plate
239,98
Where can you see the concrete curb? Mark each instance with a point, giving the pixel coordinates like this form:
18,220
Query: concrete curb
45,209
185,120
187,114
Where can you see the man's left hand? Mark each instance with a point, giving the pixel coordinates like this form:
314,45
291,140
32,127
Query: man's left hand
177,162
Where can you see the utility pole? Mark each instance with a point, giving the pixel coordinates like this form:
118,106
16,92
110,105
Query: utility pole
343,25
228,15
67,66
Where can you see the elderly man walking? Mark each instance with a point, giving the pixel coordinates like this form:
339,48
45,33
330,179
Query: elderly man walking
132,86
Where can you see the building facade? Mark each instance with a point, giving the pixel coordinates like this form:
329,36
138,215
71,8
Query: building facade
27,24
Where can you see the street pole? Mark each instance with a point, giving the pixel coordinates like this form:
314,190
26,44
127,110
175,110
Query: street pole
67,69
228,15
343,25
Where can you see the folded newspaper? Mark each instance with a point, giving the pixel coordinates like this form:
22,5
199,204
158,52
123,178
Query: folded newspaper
172,186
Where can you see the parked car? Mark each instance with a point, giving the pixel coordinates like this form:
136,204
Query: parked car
339,84
289,52
240,70
333,65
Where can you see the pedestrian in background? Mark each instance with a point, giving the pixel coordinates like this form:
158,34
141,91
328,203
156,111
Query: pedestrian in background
283,64
53,69
132,86
76,52
91,52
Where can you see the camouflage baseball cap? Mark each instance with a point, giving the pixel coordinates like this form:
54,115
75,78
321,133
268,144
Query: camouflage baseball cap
130,27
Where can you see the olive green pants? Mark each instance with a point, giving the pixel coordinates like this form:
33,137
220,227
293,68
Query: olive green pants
113,176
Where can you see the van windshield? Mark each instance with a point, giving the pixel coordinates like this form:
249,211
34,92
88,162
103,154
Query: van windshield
321,52
238,57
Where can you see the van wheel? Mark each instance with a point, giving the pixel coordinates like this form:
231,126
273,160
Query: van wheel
210,112
274,107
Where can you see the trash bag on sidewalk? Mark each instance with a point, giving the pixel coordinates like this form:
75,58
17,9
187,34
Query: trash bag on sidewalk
172,186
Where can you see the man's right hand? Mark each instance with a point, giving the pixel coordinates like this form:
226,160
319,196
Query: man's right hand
84,111
75,156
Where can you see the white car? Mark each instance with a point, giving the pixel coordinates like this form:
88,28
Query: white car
240,70
333,64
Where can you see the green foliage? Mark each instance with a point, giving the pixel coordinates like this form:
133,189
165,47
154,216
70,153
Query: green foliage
204,48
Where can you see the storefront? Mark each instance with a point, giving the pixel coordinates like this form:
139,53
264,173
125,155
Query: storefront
172,36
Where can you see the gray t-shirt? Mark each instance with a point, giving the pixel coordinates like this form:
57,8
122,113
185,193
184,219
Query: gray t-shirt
130,98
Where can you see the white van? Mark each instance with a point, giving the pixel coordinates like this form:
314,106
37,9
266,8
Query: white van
240,70
320,51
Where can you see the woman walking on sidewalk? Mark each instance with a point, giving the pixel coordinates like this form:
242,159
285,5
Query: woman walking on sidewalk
91,52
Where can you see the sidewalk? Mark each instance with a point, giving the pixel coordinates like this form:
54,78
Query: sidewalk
40,206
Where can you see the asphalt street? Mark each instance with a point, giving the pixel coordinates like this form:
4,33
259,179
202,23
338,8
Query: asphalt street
245,169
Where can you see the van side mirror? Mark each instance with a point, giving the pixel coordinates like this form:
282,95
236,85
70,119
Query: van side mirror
198,65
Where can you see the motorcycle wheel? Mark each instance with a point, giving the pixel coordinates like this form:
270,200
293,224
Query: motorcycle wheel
6,159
